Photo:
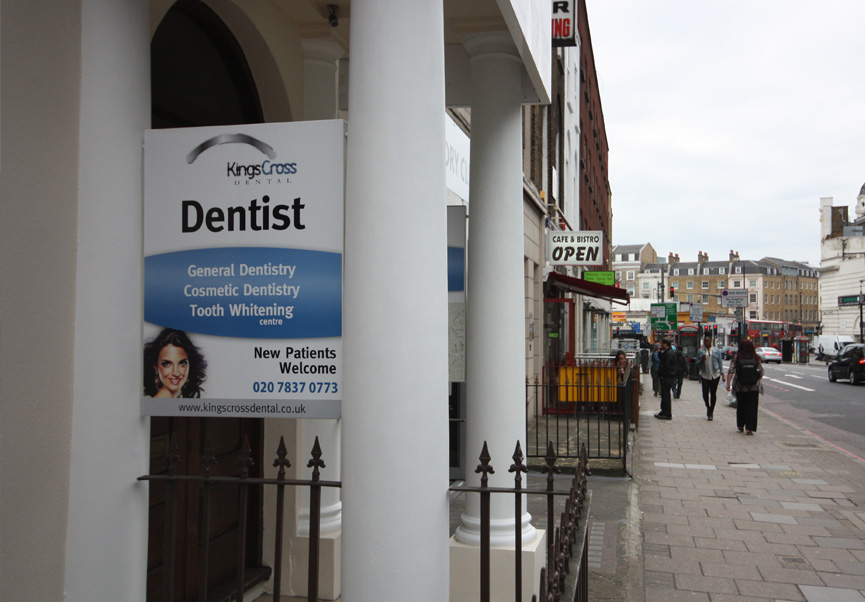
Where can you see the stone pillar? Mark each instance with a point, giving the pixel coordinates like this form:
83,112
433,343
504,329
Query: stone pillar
395,379
319,102
495,303
106,545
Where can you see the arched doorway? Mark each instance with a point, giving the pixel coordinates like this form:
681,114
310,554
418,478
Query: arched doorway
200,77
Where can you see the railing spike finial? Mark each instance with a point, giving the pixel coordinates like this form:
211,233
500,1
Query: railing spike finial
316,462
208,458
244,459
518,466
282,461
484,468
549,468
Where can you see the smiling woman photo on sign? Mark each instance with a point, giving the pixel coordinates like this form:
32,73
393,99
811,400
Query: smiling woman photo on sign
173,366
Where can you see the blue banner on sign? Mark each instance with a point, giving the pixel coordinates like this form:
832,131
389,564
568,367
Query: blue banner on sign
246,292
456,269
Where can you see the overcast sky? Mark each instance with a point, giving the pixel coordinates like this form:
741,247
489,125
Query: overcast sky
727,120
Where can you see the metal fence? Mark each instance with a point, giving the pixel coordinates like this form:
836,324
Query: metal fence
561,540
243,483
589,402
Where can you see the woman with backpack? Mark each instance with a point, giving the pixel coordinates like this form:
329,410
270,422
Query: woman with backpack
745,378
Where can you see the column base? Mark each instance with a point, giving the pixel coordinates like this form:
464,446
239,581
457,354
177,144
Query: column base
465,571
329,565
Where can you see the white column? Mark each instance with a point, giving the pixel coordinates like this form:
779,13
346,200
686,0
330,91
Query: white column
106,555
319,100
395,429
495,306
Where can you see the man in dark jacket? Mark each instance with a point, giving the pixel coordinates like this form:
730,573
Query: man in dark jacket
667,376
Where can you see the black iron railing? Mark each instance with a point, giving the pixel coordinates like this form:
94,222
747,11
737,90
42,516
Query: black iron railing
243,483
586,402
561,539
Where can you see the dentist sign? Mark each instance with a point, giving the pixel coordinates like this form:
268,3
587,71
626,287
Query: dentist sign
243,243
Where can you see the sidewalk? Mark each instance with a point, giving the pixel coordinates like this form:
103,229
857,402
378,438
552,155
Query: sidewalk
715,515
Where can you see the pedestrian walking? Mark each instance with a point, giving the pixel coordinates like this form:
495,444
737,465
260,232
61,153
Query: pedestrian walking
655,365
667,377
745,378
711,370
681,371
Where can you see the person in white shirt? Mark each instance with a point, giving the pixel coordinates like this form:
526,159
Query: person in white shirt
711,371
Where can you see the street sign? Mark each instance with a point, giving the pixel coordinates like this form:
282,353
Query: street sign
734,298
696,312
601,277
850,300
666,314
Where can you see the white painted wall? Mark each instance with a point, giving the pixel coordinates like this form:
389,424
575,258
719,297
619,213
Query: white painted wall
41,42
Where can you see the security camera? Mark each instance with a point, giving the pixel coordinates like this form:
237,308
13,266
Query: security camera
333,14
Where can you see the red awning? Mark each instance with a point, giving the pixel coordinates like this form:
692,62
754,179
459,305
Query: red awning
591,289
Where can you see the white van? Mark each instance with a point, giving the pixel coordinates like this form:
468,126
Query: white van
832,343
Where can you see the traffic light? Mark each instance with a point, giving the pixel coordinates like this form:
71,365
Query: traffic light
715,331
672,292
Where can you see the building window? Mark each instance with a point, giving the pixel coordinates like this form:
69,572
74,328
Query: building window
705,285
690,271
722,270
752,314
645,286
690,298
752,283
675,271
689,285
631,290
737,283
722,283
752,297
705,271
738,269
618,275
676,285
629,275
705,298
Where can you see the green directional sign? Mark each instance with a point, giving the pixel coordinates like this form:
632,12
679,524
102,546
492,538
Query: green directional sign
601,277
849,300
664,316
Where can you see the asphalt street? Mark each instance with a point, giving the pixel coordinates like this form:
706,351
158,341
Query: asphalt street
802,395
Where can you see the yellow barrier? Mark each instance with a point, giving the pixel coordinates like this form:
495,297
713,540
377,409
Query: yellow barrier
582,384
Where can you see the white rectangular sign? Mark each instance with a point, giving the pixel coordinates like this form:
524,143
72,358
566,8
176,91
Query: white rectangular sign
243,243
575,248
696,312
734,298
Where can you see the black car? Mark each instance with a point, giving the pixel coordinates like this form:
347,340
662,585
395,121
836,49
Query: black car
728,352
850,364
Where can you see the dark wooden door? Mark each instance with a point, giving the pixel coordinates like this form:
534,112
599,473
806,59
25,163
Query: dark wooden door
227,436
200,77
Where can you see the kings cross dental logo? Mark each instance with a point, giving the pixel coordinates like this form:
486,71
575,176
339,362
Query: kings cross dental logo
233,169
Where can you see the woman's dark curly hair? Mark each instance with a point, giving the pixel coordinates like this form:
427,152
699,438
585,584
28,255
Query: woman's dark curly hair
197,364
747,351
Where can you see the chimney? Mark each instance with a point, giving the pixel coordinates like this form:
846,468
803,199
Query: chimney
702,257
734,256
672,259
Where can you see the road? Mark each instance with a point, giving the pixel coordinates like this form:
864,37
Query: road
803,395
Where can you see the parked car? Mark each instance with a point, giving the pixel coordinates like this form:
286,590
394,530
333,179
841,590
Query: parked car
729,351
850,364
769,354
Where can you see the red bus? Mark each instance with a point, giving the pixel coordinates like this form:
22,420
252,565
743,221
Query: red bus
768,333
